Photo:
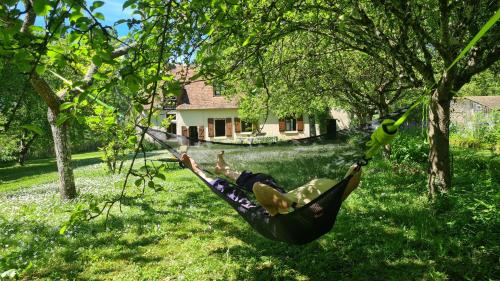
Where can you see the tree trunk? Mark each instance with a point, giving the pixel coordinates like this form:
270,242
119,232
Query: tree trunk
24,148
60,134
439,154
383,110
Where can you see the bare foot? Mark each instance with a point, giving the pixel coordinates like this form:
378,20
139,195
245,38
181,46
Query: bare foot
221,165
188,162
353,183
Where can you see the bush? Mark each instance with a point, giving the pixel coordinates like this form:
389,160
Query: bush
465,142
480,131
410,148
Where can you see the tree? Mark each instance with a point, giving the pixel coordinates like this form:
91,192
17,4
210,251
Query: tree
22,113
33,49
423,37
486,83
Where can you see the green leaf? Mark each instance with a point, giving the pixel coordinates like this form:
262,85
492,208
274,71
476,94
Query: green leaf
139,108
40,69
34,128
161,176
100,76
138,182
41,7
63,229
61,118
212,29
247,41
128,3
96,5
99,16
223,7
65,105
132,139
121,21
151,184
97,60
37,29
75,16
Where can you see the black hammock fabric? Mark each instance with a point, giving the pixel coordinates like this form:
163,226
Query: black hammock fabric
300,226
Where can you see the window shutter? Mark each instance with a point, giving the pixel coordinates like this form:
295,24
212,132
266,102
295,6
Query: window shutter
229,127
237,125
211,128
300,124
282,125
185,132
201,132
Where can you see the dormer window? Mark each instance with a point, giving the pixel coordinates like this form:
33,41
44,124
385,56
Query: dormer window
218,89
169,103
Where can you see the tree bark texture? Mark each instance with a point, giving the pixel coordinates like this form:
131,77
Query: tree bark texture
438,130
60,134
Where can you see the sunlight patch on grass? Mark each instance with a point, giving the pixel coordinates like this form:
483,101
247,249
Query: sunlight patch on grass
387,227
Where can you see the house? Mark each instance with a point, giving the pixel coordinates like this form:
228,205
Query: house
202,112
463,109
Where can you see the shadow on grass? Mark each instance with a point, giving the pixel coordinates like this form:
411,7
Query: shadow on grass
43,166
384,232
35,169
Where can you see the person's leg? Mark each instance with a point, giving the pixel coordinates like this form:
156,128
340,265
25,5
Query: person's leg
271,199
190,163
222,168
220,186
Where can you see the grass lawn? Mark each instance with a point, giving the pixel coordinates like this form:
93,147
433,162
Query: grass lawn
44,171
387,230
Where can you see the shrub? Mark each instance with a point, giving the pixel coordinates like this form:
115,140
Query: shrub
409,148
480,131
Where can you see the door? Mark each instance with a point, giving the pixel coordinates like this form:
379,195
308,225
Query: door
193,133
331,128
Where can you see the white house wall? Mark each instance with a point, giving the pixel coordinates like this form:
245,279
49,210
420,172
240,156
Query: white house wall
271,128
342,117
199,117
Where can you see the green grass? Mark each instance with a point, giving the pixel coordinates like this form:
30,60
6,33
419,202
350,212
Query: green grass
387,230
41,171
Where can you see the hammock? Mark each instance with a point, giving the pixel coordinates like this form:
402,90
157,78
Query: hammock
304,224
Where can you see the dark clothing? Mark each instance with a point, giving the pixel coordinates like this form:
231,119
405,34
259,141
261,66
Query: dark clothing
247,179
232,194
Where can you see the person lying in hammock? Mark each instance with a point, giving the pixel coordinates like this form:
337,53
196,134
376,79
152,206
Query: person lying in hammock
267,192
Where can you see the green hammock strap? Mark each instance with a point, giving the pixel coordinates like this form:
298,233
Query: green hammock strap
387,131
389,128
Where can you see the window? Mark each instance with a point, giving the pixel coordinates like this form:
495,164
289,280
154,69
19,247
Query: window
220,127
218,89
246,127
169,103
172,128
290,124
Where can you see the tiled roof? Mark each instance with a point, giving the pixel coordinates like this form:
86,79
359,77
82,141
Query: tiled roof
492,102
199,95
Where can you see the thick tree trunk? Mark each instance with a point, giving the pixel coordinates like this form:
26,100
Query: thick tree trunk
439,154
60,134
